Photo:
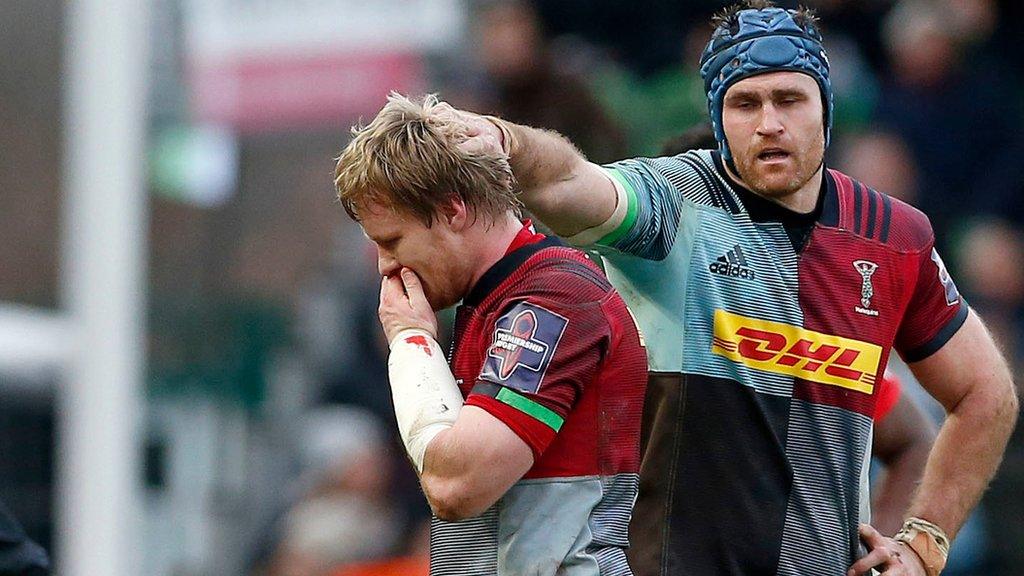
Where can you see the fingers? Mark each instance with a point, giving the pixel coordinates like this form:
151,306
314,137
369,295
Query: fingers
414,289
883,553
390,288
872,537
404,304
478,135
876,558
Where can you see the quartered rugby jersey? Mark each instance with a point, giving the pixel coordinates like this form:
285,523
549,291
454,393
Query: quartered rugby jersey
766,341
544,344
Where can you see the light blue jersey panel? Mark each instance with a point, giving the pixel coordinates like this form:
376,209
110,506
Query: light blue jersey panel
655,292
764,294
687,253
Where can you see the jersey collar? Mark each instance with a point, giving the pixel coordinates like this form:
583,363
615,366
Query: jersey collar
526,243
826,211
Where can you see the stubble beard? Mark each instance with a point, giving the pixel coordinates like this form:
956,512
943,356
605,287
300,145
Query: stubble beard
807,162
448,295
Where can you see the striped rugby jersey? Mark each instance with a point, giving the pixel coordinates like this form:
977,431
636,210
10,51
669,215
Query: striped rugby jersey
546,345
766,331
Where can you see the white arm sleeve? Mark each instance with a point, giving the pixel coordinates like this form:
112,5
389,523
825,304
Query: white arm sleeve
426,398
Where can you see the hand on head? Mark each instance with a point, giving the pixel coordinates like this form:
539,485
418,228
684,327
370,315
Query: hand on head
404,305
481,135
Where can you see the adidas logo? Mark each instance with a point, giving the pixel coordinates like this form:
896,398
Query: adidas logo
732,263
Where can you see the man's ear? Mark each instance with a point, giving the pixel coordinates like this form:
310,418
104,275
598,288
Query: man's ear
455,214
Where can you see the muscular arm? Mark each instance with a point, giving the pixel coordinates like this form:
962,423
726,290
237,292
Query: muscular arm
466,457
472,464
559,185
902,441
969,377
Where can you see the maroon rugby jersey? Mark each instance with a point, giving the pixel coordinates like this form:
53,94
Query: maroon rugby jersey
545,344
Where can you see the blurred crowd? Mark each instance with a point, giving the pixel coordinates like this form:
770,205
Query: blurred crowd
929,109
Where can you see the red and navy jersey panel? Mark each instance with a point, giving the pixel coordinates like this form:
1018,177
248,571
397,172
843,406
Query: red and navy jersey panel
875,255
546,345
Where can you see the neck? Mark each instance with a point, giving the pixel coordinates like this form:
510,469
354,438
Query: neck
491,240
801,201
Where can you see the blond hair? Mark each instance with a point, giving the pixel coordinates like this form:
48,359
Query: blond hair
408,158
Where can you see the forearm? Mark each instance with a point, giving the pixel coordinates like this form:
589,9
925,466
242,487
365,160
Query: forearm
966,455
445,470
897,489
469,466
426,398
558,184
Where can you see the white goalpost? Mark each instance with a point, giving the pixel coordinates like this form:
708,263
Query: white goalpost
96,343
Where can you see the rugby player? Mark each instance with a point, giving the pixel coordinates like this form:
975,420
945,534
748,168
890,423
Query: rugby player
903,433
771,291
527,440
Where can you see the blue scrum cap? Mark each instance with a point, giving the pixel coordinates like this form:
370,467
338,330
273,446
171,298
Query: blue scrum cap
756,41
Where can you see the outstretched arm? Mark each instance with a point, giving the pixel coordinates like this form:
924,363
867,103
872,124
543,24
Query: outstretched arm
558,184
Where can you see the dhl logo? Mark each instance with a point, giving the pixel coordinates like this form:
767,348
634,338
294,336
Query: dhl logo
786,349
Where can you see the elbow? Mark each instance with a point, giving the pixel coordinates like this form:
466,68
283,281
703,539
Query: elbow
1003,406
451,499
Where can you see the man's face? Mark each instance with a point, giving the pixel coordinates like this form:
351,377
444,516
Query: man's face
436,254
774,124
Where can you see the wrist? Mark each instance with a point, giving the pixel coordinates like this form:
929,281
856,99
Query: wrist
404,333
928,542
509,142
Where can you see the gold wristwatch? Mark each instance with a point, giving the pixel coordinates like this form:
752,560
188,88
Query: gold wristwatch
928,541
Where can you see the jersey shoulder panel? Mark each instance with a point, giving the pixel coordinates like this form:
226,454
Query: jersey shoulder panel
876,216
911,229
691,174
558,274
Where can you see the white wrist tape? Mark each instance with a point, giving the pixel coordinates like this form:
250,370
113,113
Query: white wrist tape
426,398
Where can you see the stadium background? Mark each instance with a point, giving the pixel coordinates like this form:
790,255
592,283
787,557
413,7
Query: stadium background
219,405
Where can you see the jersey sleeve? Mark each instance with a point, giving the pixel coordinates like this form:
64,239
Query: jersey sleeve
540,357
653,207
935,312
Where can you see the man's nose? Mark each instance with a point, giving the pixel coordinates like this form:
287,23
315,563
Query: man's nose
771,122
387,265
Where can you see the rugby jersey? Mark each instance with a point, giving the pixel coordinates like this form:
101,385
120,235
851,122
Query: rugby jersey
765,339
546,345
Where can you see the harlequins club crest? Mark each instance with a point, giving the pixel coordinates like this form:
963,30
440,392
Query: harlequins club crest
866,270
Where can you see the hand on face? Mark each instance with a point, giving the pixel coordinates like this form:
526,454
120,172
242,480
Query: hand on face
888,556
481,135
404,305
